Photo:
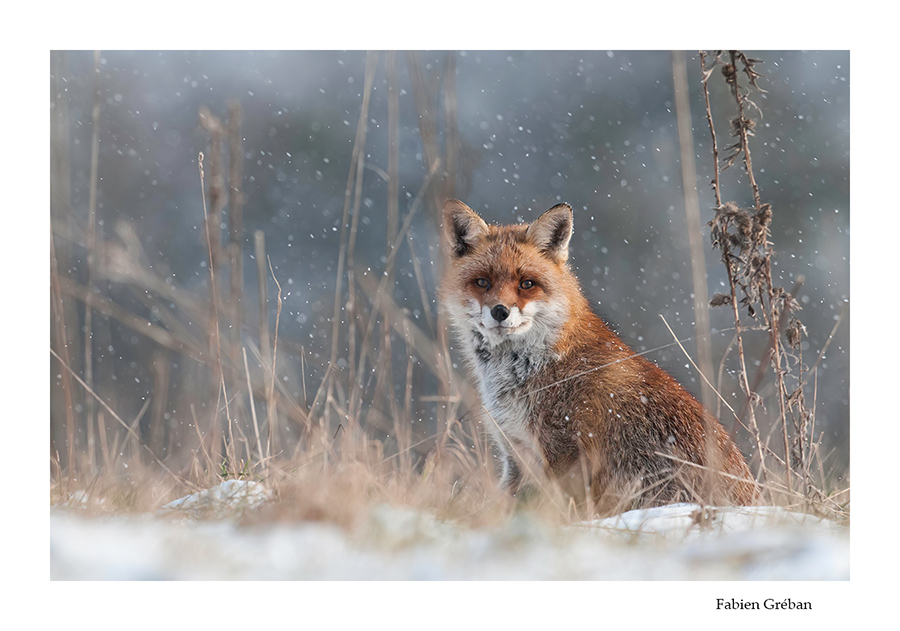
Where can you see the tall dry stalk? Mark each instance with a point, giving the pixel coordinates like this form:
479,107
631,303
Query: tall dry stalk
451,143
160,370
742,235
356,369
235,240
443,167
62,344
60,213
345,252
385,378
271,409
692,216
721,239
212,222
253,407
262,284
427,128
91,249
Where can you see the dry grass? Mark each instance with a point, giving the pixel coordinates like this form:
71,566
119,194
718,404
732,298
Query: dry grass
348,443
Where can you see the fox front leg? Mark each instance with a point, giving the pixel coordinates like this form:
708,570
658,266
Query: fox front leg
511,477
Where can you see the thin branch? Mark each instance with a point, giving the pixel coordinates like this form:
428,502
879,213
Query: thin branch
712,130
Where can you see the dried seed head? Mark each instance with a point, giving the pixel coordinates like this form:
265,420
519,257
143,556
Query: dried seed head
794,333
791,303
739,124
728,71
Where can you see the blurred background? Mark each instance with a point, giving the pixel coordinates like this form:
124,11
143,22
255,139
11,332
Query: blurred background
321,166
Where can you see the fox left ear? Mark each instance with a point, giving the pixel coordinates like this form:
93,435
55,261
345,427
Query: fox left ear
463,228
552,231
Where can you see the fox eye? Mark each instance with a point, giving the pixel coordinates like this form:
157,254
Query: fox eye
484,283
526,284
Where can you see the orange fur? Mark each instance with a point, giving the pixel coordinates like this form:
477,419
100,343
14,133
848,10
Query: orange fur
566,399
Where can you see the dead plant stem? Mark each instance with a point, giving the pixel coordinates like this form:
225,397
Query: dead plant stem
744,133
217,346
694,229
252,406
270,394
754,428
357,158
62,343
712,130
91,249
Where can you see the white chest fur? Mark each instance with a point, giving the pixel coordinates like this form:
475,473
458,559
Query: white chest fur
504,372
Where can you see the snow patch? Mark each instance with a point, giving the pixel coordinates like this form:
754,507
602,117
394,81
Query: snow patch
227,499
678,542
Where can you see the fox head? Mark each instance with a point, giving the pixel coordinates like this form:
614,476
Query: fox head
508,283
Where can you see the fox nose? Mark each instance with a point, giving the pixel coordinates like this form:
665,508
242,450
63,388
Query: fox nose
500,313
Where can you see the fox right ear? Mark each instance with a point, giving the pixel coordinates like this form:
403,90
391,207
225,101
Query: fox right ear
462,227
552,231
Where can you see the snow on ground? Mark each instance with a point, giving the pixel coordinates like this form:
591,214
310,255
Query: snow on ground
671,543
227,499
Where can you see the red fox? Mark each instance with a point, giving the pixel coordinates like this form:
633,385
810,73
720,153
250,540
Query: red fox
566,399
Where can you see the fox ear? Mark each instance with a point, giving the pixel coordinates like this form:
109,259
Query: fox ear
552,231
462,227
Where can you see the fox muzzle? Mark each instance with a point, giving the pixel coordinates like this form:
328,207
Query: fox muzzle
499,312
